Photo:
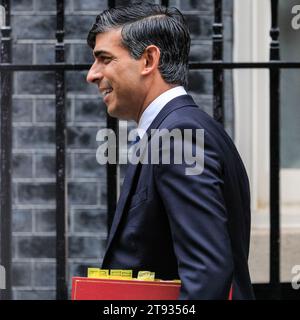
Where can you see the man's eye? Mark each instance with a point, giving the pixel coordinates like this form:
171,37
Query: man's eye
106,60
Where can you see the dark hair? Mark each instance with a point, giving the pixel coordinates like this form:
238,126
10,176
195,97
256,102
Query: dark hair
145,24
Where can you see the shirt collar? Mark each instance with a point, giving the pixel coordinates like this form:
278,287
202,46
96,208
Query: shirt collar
156,106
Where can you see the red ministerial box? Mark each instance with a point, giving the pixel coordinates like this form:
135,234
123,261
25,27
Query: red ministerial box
108,289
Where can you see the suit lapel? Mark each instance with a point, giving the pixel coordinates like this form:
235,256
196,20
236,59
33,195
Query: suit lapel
126,187
172,105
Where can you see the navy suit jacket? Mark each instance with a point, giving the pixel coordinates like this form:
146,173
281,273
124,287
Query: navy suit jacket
192,227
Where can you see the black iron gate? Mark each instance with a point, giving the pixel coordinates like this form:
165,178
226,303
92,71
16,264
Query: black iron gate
274,289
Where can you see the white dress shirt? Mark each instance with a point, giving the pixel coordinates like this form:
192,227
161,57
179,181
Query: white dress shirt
156,106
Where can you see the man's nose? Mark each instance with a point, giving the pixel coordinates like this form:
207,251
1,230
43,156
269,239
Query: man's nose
94,75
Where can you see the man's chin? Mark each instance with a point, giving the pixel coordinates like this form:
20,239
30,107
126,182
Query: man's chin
115,113
112,113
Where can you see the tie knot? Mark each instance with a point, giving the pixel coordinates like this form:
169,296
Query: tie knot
137,139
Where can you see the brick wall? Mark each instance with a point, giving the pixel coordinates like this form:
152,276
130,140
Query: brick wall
33,23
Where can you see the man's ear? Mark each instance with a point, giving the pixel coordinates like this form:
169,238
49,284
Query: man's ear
150,58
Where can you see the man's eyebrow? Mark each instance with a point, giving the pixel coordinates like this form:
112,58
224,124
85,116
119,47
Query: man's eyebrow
98,53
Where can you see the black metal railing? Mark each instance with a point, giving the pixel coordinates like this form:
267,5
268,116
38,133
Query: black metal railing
274,156
217,55
61,182
274,289
6,152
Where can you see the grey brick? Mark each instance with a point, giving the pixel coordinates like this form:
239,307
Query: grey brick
200,26
228,29
49,5
44,274
86,247
36,247
228,6
93,5
45,110
44,193
82,137
103,193
228,90
34,137
68,53
22,53
203,5
229,117
90,221
34,27
68,6
77,27
86,166
204,104
82,193
228,107
22,221
200,82
22,165
22,110
45,221
82,54
200,52
206,27
76,83
45,53
122,2
14,247
227,54
35,294
14,192
21,274
35,82
37,193
90,110
22,5
81,269
45,166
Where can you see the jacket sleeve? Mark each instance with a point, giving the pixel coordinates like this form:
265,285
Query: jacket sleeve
198,220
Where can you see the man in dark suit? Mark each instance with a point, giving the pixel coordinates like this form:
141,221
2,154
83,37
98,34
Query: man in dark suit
195,227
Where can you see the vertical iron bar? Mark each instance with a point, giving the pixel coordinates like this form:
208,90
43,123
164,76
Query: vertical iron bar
218,74
165,3
274,157
6,155
111,3
61,184
112,170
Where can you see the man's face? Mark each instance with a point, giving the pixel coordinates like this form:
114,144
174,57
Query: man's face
118,76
